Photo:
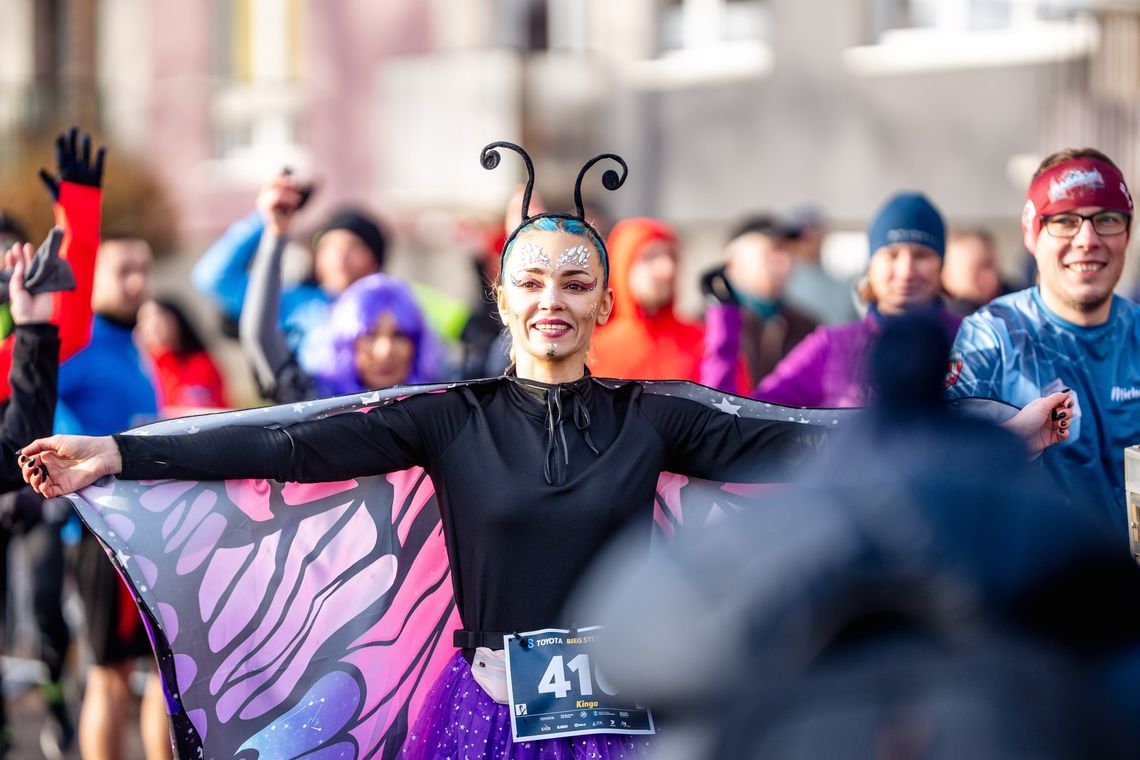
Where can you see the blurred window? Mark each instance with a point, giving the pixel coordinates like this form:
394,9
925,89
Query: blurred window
566,25
908,36
971,15
705,42
524,25
257,61
694,24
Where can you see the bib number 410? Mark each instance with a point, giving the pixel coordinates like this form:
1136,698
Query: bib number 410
554,680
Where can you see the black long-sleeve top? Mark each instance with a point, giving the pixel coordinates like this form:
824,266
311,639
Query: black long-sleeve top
528,491
30,411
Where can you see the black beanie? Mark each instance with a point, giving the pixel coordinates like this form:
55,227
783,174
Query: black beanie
360,224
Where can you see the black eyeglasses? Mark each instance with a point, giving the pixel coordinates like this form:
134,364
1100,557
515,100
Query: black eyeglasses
1107,223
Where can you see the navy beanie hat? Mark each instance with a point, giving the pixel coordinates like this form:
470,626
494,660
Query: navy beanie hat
360,224
907,218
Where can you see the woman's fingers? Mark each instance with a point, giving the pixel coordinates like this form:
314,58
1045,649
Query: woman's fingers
1061,414
40,466
39,445
36,474
35,478
28,465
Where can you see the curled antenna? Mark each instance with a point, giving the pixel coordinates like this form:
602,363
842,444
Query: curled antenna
611,180
489,158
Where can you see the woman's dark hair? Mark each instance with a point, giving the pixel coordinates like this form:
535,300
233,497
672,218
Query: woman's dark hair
189,339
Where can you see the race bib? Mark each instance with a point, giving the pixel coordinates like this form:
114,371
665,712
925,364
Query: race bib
555,688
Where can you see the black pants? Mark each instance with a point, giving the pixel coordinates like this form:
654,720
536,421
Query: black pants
114,624
44,546
23,513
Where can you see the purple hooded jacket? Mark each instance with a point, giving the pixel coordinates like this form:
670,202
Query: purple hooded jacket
827,368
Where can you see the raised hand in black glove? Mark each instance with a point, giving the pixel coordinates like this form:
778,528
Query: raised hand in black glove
73,163
715,287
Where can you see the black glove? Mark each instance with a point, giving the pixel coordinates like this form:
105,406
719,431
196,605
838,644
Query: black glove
715,287
73,163
48,272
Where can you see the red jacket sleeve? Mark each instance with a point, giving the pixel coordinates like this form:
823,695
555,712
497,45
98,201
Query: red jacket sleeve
77,212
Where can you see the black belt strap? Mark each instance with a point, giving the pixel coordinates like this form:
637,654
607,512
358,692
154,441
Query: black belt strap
463,639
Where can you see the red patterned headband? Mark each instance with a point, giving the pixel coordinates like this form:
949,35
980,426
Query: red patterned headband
1073,184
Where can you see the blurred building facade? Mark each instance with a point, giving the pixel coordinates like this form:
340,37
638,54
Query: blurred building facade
721,107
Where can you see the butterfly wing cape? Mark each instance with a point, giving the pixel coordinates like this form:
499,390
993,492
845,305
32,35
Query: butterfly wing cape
309,620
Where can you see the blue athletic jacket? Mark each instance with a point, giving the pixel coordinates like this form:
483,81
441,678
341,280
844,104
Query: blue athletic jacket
1016,349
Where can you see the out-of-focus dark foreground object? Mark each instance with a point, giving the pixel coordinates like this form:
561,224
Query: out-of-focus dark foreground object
921,597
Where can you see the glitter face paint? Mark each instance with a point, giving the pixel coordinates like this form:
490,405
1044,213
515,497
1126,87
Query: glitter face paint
578,256
528,255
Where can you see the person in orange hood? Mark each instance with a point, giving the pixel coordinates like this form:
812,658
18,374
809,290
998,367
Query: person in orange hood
645,339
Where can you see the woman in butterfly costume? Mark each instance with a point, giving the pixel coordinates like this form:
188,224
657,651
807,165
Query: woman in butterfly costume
534,471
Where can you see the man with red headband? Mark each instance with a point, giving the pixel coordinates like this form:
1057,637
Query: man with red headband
1070,332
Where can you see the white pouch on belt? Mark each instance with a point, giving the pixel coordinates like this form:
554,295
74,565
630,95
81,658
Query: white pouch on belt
490,671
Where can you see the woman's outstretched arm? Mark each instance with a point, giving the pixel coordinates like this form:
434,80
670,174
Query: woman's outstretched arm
348,445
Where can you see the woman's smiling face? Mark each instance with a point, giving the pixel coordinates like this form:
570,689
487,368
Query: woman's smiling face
553,293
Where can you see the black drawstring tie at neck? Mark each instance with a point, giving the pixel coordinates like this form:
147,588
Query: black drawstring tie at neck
551,397
554,422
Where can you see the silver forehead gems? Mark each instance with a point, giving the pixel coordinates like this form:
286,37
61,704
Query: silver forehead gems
532,255
579,256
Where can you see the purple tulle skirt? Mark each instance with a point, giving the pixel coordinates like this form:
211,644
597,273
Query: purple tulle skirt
460,722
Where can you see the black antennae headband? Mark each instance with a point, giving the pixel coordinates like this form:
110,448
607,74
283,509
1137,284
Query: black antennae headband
611,180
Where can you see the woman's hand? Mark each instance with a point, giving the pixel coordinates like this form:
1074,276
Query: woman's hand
1043,422
25,307
65,463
